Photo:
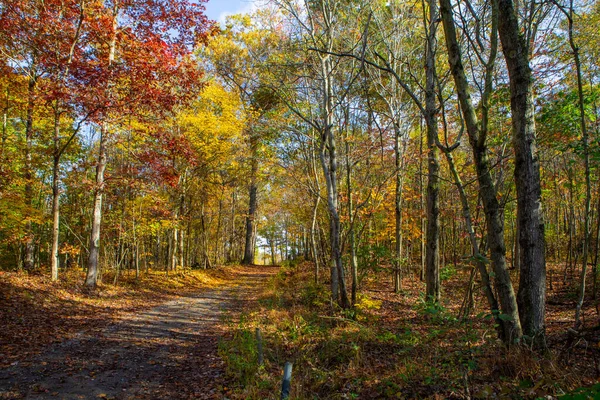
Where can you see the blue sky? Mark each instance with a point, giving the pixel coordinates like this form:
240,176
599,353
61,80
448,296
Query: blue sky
218,9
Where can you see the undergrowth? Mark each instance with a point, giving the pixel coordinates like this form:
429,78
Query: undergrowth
387,346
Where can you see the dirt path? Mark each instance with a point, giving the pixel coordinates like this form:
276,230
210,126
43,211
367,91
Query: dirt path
169,352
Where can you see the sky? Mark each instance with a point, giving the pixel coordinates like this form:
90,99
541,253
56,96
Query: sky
218,9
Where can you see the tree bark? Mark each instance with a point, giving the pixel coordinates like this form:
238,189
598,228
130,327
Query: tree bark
92,263
250,219
4,131
398,210
182,235
422,202
174,247
313,240
351,233
54,260
532,286
432,252
28,174
329,164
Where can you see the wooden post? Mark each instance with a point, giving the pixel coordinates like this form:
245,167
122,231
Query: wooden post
286,384
259,345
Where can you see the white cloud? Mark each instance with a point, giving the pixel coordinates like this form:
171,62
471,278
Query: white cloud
247,6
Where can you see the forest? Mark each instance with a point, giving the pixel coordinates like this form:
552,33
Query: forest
400,198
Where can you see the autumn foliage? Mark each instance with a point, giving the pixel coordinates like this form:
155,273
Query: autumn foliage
426,171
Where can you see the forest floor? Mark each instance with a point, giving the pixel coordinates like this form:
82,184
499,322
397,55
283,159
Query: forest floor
396,345
192,336
112,345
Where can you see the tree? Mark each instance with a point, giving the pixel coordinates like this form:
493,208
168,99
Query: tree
238,56
317,27
426,102
531,296
144,66
477,130
569,15
22,41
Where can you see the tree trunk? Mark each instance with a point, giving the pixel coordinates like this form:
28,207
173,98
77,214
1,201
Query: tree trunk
250,219
329,164
432,252
586,160
477,131
181,227
351,233
94,249
422,207
517,248
532,286
92,263
182,239
174,247
398,211
232,240
54,260
272,245
313,240
4,131
28,174
157,258
479,262
218,258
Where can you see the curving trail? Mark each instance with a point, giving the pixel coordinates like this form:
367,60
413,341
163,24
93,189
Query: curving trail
169,352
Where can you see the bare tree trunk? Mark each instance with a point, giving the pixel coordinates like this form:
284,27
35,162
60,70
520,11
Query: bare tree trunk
94,249
170,252
305,245
398,210
572,228
313,240
532,286
432,254
250,219
92,263
4,132
334,230
205,255
422,208
28,175
54,260
136,247
231,255
157,258
182,215
517,248
329,163
351,233
218,237
174,248
181,248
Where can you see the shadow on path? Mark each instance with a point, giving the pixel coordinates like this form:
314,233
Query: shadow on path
169,352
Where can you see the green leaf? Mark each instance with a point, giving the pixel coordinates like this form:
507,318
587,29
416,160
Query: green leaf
505,317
